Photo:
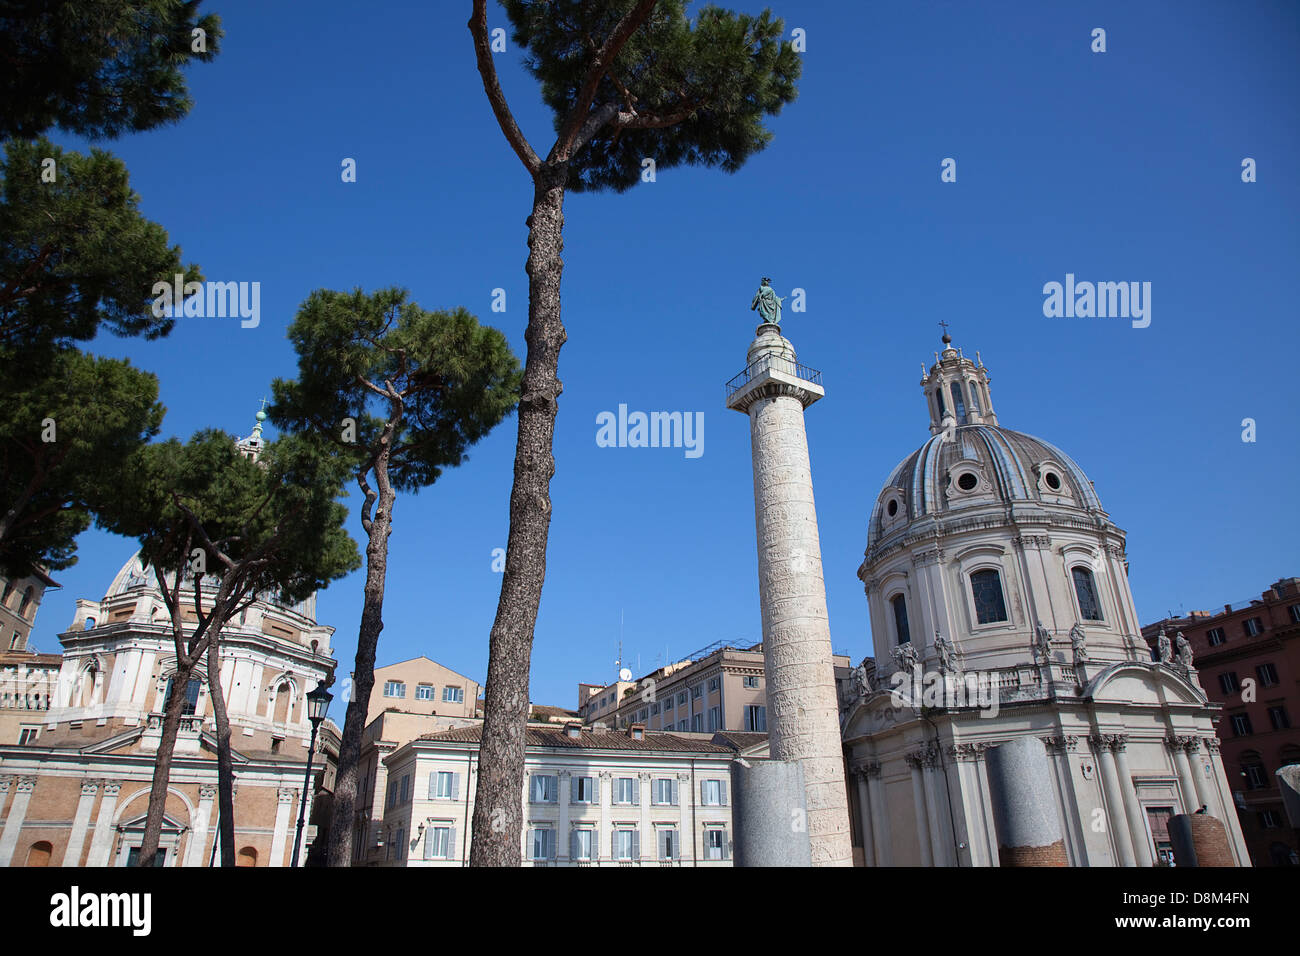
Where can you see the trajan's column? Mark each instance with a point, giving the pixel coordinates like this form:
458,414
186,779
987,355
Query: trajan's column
802,709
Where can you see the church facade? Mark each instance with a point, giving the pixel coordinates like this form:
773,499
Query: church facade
1001,610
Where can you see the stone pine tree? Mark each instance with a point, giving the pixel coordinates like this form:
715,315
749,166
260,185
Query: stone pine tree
99,68
220,532
400,394
78,258
627,81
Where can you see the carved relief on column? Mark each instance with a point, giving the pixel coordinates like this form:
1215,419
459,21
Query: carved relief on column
968,752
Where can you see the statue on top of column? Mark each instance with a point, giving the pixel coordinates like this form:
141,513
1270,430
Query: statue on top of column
767,302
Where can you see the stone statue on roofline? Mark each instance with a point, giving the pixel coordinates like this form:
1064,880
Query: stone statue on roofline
767,302
1078,643
1165,649
1184,648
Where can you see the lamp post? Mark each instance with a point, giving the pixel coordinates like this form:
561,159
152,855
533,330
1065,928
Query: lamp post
318,701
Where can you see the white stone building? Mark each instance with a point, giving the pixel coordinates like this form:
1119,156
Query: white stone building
591,797
990,564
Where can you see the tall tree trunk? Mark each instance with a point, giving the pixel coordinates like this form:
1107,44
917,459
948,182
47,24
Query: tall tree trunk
162,768
363,676
225,766
497,811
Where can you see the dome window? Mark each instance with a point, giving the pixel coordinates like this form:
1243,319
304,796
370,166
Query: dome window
904,633
986,589
1053,480
959,406
967,481
892,508
1085,589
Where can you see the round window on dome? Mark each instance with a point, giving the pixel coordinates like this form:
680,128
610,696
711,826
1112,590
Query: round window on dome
1053,480
892,508
967,481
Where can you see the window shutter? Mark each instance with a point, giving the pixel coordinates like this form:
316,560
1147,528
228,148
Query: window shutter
554,788
636,844
663,842
532,788
433,785
429,843
532,844
703,797
722,792
595,844
573,844
451,843
595,791
724,844
455,785
573,789
636,790
673,787
677,845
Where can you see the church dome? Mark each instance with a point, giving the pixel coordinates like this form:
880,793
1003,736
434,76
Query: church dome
971,465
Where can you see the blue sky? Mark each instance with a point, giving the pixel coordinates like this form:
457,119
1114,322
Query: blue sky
1123,165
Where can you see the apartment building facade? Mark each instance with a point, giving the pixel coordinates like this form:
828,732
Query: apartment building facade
718,688
1248,657
591,798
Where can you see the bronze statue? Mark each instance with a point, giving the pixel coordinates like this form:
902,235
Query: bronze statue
767,302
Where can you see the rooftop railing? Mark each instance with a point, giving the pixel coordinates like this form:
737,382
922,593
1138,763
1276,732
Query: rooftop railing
772,363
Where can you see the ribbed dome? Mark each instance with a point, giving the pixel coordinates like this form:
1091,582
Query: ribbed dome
978,465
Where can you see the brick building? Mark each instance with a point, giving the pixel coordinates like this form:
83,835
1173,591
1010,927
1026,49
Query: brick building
1248,656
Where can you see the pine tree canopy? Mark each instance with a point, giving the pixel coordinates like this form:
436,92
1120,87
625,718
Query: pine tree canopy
680,91
98,68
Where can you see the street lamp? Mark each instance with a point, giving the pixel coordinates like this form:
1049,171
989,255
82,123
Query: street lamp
318,701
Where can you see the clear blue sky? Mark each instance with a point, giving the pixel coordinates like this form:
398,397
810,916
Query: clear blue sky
1116,166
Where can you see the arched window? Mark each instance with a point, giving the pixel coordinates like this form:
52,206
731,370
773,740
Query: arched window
974,398
938,393
247,857
90,622
88,684
958,405
283,696
39,854
1085,589
9,590
899,604
15,642
986,589
27,599
191,696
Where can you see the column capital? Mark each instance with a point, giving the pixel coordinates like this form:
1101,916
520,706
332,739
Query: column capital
1211,744
645,777
606,774
112,788
207,791
90,787
564,774
1115,743
1185,742
683,777
6,781
1066,744
26,783
967,751
286,794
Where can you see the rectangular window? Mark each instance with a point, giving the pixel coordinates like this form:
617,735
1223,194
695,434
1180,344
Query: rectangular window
1267,674
696,691
544,789
1294,611
394,688
715,719
751,681
438,843
986,589
1255,777
683,724
654,709
133,856
715,843
714,683
582,844
625,790
697,723
681,699
665,792
713,793
668,844
453,695
392,794
668,704
543,843
424,692
1253,627
1228,682
401,844
1240,725
1268,820
1215,636
445,785
756,719
627,844
644,714
583,790
28,735
1278,718
406,787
